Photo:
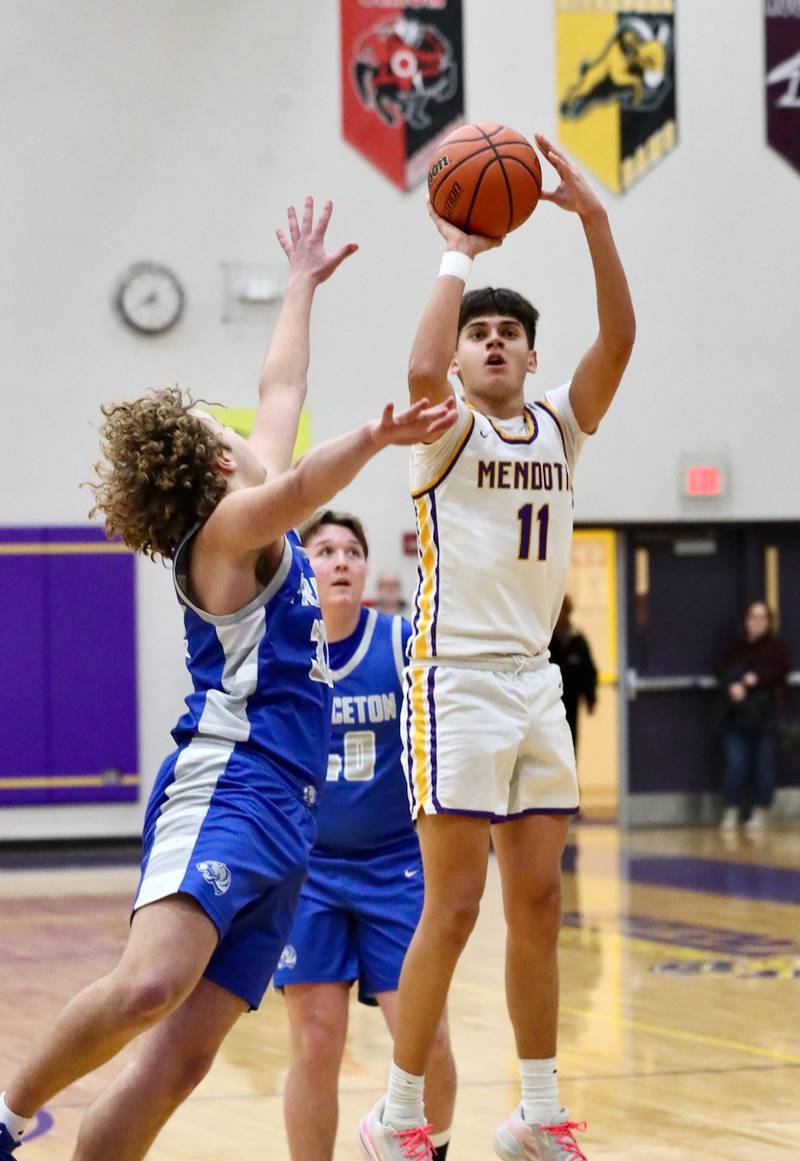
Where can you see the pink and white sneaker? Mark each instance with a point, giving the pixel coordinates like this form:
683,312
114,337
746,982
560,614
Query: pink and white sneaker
515,1140
381,1143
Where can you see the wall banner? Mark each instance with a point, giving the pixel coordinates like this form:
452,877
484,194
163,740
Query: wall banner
782,42
615,78
402,81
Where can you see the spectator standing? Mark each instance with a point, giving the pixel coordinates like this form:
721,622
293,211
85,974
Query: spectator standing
570,651
752,673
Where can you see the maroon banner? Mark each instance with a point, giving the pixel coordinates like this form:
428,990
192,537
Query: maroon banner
782,42
402,81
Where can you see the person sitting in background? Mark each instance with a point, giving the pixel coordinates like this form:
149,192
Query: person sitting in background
570,651
752,674
389,595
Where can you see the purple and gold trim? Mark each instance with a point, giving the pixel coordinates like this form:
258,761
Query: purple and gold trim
531,428
451,463
409,746
546,407
421,740
432,723
419,737
426,599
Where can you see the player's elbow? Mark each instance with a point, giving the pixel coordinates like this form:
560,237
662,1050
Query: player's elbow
626,338
423,379
618,347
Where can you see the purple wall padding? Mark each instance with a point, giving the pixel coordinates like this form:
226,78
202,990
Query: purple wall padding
67,668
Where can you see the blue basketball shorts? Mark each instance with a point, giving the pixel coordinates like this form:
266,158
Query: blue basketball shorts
234,834
355,920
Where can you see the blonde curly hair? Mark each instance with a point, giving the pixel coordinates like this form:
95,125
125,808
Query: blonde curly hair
159,477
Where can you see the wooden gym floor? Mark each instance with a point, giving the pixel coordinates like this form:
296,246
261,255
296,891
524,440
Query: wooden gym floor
680,1008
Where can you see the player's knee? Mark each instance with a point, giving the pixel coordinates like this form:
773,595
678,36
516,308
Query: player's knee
536,912
453,924
319,1042
142,1000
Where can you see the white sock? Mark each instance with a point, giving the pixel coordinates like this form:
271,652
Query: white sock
439,1139
404,1099
15,1125
539,1091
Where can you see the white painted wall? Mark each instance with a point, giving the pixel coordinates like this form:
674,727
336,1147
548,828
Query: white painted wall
179,130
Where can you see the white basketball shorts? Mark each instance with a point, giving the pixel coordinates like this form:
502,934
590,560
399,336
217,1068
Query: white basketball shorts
487,742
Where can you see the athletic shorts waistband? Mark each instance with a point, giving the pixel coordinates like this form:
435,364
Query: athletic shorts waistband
502,663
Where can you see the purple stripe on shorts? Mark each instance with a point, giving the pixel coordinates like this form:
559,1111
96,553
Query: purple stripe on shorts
432,713
535,810
409,751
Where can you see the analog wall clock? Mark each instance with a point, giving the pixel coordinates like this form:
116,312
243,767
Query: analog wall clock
149,298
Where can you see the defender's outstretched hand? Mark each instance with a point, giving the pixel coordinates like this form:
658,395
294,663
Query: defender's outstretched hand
421,423
305,245
572,193
456,239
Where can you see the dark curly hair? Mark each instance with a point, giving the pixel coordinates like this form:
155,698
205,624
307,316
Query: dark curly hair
159,477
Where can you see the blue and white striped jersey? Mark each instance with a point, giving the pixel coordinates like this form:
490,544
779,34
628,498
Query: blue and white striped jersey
364,804
261,679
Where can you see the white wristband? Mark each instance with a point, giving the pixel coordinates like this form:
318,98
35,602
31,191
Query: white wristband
456,264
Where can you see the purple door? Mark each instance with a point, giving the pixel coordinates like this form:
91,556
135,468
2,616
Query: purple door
686,587
67,668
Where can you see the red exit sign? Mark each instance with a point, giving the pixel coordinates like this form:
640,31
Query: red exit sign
703,480
409,540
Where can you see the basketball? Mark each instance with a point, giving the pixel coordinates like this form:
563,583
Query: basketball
485,179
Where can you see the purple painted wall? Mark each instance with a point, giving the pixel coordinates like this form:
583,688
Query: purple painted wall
68,702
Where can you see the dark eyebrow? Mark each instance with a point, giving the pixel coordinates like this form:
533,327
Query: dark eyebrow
503,320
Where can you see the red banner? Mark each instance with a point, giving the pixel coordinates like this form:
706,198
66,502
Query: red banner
402,81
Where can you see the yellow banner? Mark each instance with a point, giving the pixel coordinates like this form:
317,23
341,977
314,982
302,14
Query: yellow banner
241,419
615,81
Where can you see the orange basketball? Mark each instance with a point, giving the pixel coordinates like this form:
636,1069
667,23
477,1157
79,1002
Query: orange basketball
485,179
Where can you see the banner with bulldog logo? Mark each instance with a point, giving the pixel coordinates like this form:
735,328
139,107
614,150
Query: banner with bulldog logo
782,43
615,76
402,81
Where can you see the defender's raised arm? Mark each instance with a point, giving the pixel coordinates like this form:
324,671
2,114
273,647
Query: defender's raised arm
282,385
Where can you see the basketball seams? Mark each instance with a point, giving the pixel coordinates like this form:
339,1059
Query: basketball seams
509,193
476,191
527,168
482,135
486,148
451,169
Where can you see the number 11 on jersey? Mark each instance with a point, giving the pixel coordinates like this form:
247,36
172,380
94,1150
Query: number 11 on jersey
525,517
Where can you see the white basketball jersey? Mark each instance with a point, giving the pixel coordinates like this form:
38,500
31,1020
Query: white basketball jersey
494,508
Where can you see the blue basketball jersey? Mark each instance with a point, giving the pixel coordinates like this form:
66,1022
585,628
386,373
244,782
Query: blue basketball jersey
364,804
261,679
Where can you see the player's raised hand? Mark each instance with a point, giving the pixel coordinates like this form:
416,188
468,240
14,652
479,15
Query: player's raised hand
456,239
305,244
572,193
421,423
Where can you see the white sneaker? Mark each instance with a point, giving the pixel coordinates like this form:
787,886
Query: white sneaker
381,1143
514,1140
757,820
729,820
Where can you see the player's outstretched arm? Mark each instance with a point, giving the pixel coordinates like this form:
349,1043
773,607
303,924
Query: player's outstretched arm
248,519
282,386
600,370
435,341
